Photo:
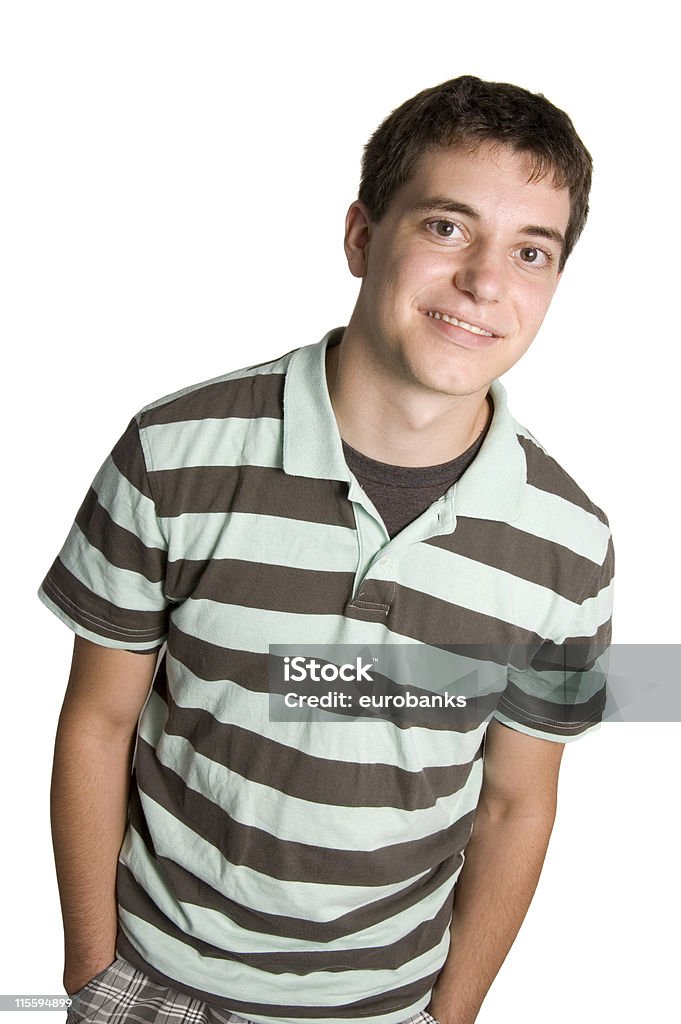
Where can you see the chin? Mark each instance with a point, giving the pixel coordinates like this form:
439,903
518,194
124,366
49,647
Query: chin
459,387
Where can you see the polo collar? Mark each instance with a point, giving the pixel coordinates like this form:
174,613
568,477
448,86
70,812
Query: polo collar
493,485
312,442
491,488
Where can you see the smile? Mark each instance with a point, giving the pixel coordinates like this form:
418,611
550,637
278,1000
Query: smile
437,315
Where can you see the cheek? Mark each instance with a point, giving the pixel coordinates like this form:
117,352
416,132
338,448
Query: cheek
415,275
532,307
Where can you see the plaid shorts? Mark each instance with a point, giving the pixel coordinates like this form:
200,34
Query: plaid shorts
122,994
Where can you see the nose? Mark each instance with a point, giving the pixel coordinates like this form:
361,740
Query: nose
480,272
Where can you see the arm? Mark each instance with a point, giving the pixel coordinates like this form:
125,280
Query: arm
89,797
504,858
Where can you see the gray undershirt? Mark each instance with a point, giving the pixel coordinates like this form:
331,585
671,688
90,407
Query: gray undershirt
402,493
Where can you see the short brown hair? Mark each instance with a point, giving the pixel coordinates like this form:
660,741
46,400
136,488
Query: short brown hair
468,112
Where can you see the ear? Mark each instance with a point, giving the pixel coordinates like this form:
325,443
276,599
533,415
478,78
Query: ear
357,236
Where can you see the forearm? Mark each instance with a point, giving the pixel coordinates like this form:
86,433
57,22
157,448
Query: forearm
503,862
88,805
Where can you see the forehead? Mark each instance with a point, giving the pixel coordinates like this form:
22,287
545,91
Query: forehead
494,180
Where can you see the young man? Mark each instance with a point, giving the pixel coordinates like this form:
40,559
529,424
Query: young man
370,489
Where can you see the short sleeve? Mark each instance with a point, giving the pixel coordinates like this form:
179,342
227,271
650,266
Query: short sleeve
561,694
108,581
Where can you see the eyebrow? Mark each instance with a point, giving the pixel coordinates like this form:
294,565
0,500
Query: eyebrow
440,203
434,203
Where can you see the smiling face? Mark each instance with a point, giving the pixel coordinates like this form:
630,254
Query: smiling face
460,271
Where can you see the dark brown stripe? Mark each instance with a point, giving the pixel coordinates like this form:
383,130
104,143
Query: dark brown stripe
518,648
546,474
525,556
306,777
385,1002
213,663
119,546
607,572
189,889
576,654
444,624
97,614
256,490
425,936
565,719
259,585
128,458
286,859
256,672
245,398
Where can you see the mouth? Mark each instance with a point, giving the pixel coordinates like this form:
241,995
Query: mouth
449,318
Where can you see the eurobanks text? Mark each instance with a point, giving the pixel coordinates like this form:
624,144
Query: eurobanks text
300,669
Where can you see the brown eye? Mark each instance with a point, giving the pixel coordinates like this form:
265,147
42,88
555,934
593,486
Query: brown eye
531,256
445,229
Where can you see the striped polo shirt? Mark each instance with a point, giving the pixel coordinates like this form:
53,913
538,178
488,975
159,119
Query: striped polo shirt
303,870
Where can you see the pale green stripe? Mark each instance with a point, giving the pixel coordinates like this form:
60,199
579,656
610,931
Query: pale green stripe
127,644
320,988
297,820
122,587
219,930
371,539
560,688
359,741
554,737
593,612
275,366
127,506
253,629
553,518
215,442
480,588
309,901
524,432
585,619
271,540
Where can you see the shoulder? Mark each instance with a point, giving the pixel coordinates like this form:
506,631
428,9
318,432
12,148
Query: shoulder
187,429
555,503
546,474
249,392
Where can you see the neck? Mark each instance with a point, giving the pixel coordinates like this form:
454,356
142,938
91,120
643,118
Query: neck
396,421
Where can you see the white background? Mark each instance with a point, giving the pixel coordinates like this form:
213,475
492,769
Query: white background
174,179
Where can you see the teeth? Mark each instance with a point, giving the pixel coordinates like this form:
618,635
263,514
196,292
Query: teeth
460,323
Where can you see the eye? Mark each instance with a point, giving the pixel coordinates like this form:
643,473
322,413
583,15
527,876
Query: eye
445,229
534,257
